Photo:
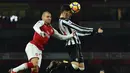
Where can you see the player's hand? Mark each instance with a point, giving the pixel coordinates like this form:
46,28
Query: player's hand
102,71
43,34
47,35
100,30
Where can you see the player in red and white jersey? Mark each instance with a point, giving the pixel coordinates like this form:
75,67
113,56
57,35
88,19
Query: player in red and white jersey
43,31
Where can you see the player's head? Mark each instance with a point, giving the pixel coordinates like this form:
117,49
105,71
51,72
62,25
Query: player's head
66,11
46,16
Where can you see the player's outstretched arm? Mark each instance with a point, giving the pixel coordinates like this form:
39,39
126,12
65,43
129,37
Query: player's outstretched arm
82,34
62,37
77,27
98,31
85,28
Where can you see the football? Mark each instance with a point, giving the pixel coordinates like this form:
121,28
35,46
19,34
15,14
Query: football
75,7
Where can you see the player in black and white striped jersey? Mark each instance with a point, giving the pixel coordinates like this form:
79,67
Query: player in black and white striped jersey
66,26
73,45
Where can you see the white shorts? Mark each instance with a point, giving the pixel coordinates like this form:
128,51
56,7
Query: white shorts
32,51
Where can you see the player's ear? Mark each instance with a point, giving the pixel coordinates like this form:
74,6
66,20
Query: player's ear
42,16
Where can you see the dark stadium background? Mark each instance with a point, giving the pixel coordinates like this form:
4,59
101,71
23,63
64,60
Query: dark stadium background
110,52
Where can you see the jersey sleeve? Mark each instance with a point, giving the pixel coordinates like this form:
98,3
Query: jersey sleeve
60,36
82,34
76,27
37,26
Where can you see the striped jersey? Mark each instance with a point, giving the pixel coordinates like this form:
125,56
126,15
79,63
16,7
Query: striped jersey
66,27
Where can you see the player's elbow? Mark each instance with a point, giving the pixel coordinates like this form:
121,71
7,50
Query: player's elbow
34,27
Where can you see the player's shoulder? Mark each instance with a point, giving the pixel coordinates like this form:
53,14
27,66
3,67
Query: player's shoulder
63,19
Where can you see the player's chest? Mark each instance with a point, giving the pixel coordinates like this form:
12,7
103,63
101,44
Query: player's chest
48,29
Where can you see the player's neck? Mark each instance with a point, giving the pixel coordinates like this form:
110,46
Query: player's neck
47,23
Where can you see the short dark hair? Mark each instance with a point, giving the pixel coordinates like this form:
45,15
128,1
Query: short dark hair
65,7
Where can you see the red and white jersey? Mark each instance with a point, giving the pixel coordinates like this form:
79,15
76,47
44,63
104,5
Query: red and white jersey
39,40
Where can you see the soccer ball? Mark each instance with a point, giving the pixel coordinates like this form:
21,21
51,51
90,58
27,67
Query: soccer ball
75,7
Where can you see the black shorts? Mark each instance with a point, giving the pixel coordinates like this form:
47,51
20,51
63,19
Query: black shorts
75,52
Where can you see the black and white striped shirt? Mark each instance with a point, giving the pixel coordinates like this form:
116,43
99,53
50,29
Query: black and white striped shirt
67,27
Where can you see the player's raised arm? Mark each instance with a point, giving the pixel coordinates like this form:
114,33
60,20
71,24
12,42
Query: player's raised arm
76,27
62,37
88,30
37,26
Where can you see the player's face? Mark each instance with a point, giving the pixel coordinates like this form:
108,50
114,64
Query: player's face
47,18
68,14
